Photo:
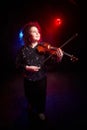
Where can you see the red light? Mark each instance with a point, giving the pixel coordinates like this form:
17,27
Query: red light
58,21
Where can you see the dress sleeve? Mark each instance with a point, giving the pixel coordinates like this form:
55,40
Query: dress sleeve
20,65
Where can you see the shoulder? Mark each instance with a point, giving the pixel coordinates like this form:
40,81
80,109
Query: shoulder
24,47
21,49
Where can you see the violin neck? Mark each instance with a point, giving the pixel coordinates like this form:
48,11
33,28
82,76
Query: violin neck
65,53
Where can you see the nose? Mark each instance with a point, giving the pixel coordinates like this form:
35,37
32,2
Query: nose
37,33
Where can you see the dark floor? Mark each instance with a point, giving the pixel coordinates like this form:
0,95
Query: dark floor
65,106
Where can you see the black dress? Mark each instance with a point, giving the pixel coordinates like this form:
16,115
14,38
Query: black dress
35,83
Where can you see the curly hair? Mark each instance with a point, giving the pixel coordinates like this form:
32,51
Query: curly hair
26,29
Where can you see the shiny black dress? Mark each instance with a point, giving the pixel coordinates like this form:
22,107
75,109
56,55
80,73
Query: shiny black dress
35,83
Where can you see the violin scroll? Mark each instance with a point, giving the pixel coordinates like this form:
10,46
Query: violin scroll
73,58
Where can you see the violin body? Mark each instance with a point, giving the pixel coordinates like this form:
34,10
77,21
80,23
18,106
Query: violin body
47,48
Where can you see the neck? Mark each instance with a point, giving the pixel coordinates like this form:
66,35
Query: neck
34,44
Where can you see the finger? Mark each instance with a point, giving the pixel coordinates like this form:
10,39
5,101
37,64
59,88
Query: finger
60,51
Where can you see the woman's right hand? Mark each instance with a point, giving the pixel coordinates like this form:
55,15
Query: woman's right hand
32,68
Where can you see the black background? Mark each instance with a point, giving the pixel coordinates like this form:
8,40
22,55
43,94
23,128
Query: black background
17,13
13,16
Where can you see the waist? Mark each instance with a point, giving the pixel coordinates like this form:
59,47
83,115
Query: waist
35,76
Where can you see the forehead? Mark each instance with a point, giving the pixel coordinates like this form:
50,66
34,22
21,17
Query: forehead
34,28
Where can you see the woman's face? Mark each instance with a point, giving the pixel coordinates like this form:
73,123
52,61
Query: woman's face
34,34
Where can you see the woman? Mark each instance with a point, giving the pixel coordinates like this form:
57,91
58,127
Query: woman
31,62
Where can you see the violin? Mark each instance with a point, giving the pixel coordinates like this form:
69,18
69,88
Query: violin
53,50
47,48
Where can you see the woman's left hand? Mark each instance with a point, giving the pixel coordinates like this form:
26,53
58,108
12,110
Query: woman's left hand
59,54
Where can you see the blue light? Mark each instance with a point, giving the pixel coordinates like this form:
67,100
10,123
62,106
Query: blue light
21,35
21,41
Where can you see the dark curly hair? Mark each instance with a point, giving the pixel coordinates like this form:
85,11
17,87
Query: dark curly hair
26,29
